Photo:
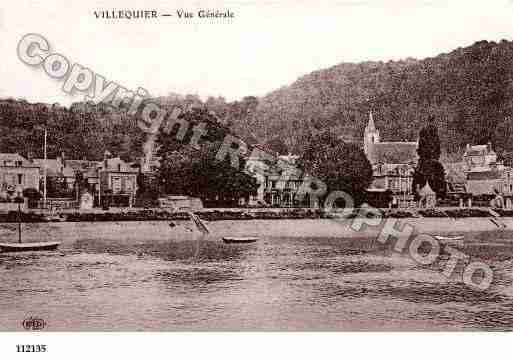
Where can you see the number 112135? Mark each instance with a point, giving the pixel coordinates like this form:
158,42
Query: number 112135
28,348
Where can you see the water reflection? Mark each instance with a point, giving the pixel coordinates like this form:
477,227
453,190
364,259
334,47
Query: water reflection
126,276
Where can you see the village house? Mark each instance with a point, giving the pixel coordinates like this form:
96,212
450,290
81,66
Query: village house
506,187
278,179
111,181
393,165
88,170
484,174
57,169
117,184
17,174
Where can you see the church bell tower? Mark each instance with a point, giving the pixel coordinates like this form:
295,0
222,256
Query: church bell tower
371,135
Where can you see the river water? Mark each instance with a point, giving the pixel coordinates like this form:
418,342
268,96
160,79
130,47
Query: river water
149,276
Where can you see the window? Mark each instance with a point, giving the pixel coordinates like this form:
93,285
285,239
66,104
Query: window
20,178
116,184
10,179
128,184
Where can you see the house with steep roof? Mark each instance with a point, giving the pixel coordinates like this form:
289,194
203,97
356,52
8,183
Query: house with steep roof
393,163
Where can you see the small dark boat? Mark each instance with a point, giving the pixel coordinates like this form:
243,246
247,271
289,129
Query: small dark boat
240,239
25,247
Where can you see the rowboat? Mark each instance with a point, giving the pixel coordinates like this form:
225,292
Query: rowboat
240,239
204,231
53,218
453,238
24,247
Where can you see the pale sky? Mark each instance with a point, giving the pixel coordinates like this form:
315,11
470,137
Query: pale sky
269,44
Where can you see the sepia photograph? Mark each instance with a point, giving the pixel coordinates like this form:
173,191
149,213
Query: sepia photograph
256,166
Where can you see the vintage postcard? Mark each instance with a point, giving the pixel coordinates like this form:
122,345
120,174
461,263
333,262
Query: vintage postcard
335,165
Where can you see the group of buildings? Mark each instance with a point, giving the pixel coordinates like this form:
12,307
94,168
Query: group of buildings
479,178
113,181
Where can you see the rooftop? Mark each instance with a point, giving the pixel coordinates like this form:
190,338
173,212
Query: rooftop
393,152
10,159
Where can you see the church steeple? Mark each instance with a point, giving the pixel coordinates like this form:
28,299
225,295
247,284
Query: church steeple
371,135
370,124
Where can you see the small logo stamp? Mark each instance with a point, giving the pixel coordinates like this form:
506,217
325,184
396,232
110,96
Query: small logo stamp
32,323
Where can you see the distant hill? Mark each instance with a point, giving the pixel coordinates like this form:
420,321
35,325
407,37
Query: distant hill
469,92
81,131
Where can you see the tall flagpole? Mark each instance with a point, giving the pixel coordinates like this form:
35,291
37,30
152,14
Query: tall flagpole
44,174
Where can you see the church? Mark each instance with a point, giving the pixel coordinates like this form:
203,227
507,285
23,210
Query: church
393,164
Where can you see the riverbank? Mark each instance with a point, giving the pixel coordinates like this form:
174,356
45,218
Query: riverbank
157,214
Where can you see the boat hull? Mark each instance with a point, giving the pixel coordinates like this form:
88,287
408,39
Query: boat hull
25,247
240,239
444,238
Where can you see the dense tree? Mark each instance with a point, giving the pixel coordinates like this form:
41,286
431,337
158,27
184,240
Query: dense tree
82,131
277,145
341,166
429,169
429,142
196,171
56,187
148,189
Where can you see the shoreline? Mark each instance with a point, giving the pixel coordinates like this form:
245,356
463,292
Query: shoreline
231,214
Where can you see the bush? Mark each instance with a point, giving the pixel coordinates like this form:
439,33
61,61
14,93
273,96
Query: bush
32,194
400,214
467,212
432,213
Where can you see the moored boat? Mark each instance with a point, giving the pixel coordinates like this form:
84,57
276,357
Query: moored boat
453,238
54,218
203,230
24,247
240,239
